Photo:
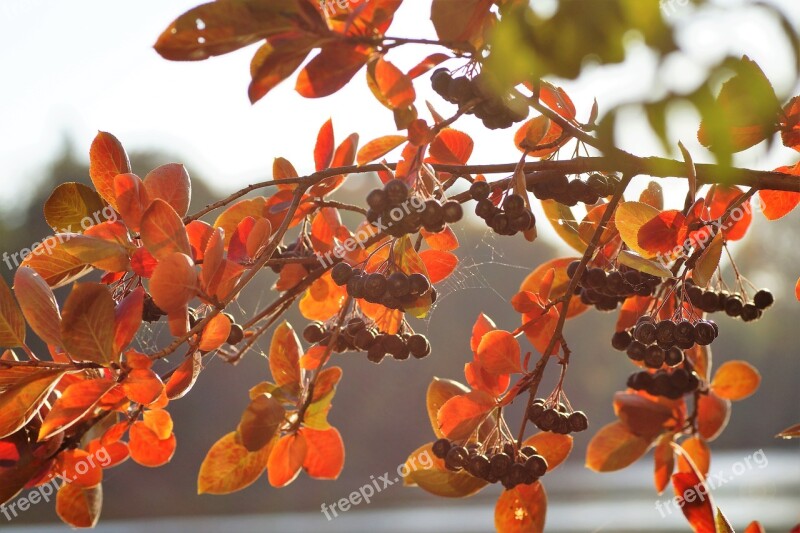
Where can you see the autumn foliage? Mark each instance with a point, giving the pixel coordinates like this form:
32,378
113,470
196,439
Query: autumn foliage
90,389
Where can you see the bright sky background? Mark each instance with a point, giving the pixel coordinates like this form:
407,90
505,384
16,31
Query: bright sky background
72,68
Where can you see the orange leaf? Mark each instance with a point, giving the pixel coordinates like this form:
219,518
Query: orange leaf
73,207
664,459
724,197
325,453
377,148
461,415
323,228
286,459
143,263
322,299
644,416
450,147
259,422
147,449
174,282
313,358
479,379
426,64
132,199
390,86
229,467
533,282
107,158
521,510
330,70
170,183
12,321
776,204
128,318
482,325
323,149
163,232
499,353
86,329
79,469
77,400
540,326
615,447
215,333
38,304
79,506
115,452
159,421
445,241
430,474
230,218
539,131
438,393
56,266
344,155
182,380
554,447
24,390
735,380
790,128
284,356
698,452
283,169
143,386
438,264
754,527
713,413
275,61
695,501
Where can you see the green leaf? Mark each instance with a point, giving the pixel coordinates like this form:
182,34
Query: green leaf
563,221
636,261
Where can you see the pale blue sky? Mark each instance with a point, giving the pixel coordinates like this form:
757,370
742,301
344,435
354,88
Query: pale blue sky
72,68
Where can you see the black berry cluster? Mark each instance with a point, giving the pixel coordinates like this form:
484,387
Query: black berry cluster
514,216
395,290
495,111
355,336
670,384
505,464
606,290
734,305
559,188
555,417
658,342
400,346
293,250
396,212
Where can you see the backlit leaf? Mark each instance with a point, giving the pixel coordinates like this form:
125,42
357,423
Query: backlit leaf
438,264
459,21
184,377
163,232
708,261
461,415
143,386
776,204
324,453
735,380
147,449
284,356
12,321
661,234
330,70
132,199
38,304
323,149
739,221
128,318
438,393
107,158
275,61
23,390
521,510
71,206
215,333
554,447
713,413
615,447
174,282
429,473
170,183
696,500
664,459
322,299
499,353
629,219
87,328
636,261
260,421
228,466
79,506
76,400
451,147
390,86
377,148
286,459
698,451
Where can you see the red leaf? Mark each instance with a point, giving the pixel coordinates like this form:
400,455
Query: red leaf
461,415
143,263
184,377
661,234
323,228
330,70
79,506
776,204
664,459
790,128
713,413
499,353
557,99
324,453
479,379
533,283
199,233
450,147
77,400
143,386
695,498
286,459
323,150
521,510
24,391
644,416
439,264
539,131
482,325
459,21
446,240
170,183
107,158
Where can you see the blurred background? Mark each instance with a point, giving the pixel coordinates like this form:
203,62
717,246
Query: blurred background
70,69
